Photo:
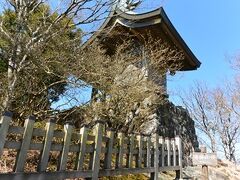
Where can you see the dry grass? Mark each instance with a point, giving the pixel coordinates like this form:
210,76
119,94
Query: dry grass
129,177
7,161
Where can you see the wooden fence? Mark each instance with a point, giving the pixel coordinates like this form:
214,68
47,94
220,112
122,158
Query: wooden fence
98,152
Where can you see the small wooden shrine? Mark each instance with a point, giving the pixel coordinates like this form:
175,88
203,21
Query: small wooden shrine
154,23
157,24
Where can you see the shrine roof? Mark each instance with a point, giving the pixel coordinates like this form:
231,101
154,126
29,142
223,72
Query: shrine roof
155,21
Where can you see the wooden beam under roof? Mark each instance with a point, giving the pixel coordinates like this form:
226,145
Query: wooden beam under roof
155,21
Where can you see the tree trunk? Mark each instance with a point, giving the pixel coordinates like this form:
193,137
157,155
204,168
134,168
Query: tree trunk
213,144
12,78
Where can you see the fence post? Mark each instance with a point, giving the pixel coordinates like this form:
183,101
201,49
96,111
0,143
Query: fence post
50,125
26,141
162,151
154,175
174,152
109,145
5,122
179,145
98,147
83,142
119,161
148,151
140,146
131,149
168,151
67,141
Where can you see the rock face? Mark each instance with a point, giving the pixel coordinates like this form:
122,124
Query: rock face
170,120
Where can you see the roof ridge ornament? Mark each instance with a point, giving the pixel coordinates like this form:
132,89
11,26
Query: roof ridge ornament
128,6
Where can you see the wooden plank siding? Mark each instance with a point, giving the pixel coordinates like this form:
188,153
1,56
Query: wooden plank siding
25,144
5,122
99,152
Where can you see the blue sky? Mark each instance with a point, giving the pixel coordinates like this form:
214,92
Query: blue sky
212,31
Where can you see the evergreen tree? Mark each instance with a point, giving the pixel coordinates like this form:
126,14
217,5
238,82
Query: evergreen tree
36,51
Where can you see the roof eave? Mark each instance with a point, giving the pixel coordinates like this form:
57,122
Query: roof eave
165,22
179,39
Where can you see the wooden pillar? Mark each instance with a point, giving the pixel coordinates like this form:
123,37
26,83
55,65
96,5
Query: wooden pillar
174,152
108,155
140,153
154,175
119,160
5,122
26,141
205,172
50,125
179,173
168,152
148,161
204,167
66,146
82,149
131,149
98,147
161,141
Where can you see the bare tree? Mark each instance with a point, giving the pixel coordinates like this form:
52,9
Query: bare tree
228,121
198,103
216,112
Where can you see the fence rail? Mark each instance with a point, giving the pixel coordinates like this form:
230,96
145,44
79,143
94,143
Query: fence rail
98,152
